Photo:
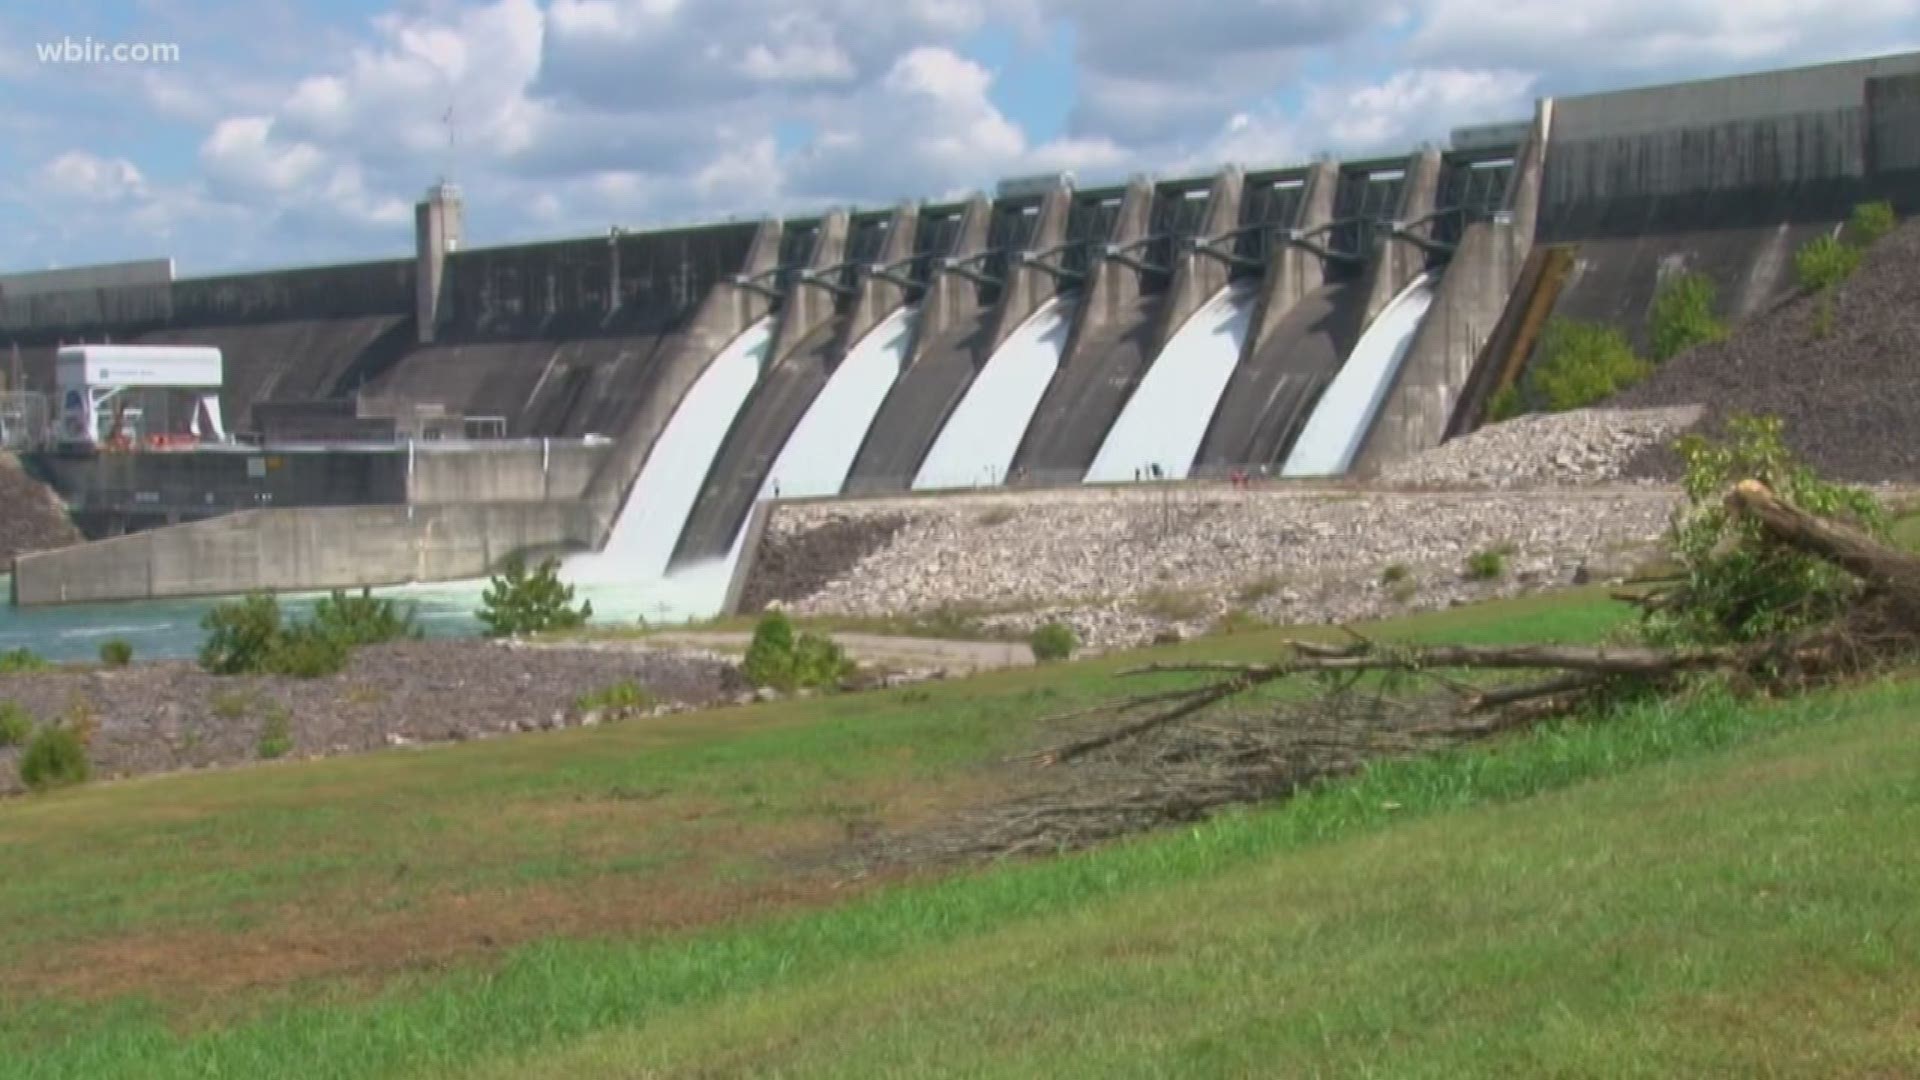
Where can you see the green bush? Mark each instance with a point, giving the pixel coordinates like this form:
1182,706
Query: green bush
116,653
1395,573
620,698
1739,585
1488,564
1870,222
363,620
769,660
1506,404
779,658
54,758
276,734
241,635
304,651
1582,364
518,602
247,637
1683,316
1824,262
1052,642
16,726
22,662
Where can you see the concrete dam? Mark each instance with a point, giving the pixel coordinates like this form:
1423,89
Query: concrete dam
631,398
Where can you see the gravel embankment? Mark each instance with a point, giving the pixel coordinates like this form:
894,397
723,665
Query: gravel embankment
1124,566
33,518
1846,384
1588,446
169,716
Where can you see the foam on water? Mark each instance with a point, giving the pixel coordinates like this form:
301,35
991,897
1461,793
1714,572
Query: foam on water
1332,434
1167,416
978,443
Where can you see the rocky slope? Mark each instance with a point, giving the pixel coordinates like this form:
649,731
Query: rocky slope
1587,446
1842,371
1126,565
32,517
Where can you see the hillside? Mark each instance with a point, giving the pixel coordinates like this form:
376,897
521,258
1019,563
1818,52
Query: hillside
34,519
1847,384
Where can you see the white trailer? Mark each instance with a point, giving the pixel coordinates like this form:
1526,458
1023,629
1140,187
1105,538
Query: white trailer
91,378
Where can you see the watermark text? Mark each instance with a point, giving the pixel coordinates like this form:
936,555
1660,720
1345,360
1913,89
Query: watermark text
89,50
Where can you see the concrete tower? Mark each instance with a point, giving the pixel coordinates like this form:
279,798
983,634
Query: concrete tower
436,232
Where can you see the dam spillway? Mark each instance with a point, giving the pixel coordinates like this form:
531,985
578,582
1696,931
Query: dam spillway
977,445
820,452
1166,419
1333,432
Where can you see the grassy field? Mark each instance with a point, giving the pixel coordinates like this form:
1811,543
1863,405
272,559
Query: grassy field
639,900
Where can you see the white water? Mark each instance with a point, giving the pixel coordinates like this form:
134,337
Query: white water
820,452
1167,416
978,443
1332,434
656,509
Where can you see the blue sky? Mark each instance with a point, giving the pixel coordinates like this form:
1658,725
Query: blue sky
300,131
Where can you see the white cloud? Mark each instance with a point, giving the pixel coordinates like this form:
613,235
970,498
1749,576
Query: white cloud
84,177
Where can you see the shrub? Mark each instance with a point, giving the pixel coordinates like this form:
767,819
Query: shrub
620,698
1488,564
1581,364
779,658
241,635
363,620
116,653
769,660
1869,223
276,734
16,726
228,705
518,602
56,757
1824,262
1740,586
1240,621
1395,573
306,652
995,515
1053,642
22,662
1506,404
1683,316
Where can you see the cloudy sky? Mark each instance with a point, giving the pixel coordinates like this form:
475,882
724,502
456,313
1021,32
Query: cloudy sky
300,131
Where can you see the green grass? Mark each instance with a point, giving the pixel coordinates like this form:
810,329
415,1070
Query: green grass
1421,919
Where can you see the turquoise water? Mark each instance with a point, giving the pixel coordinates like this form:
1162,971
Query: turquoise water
170,629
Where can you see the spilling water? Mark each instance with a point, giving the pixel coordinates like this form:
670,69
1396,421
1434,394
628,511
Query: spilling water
1332,434
1167,416
820,452
630,573
977,445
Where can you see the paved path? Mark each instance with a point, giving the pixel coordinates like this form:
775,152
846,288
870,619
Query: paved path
904,652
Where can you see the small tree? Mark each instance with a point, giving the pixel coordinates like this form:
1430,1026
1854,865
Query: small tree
241,635
779,658
518,602
1683,316
1053,642
1870,222
116,653
363,620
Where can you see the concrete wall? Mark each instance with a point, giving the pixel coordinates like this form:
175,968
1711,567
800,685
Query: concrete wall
1292,271
291,550
952,298
809,307
1027,288
1473,293
1397,262
540,472
1196,277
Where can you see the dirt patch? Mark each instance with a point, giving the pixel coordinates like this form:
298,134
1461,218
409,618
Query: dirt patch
170,716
